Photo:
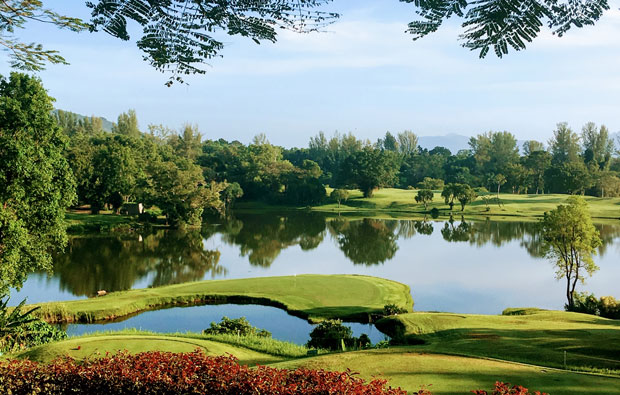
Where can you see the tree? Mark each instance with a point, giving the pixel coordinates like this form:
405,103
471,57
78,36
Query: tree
231,193
532,146
339,195
597,145
370,169
127,124
424,196
500,180
571,239
564,145
36,184
431,183
449,194
407,142
180,191
465,195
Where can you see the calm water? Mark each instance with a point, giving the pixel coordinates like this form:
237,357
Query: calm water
194,319
458,266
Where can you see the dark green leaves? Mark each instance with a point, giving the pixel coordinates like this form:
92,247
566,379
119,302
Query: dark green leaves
504,24
179,35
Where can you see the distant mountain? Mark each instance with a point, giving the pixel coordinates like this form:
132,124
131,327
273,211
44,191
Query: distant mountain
107,125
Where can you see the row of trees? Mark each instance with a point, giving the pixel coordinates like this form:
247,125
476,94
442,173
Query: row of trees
585,163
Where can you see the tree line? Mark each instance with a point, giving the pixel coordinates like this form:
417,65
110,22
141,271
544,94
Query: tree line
185,176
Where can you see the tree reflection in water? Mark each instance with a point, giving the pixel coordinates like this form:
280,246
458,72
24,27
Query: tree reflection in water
116,263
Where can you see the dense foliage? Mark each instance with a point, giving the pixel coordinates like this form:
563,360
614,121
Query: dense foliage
333,335
169,373
36,183
235,326
31,334
605,306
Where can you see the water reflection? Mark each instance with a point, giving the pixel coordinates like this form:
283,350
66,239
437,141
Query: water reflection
116,263
450,265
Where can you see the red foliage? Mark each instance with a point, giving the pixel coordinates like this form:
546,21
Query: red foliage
189,373
176,373
507,389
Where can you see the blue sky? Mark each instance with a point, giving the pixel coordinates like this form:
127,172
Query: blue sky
364,74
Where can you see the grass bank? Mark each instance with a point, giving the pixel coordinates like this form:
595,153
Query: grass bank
401,203
314,297
134,342
538,337
412,369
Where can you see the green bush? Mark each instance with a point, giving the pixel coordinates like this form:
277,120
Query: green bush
392,309
606,306
31,334
330,334
235,326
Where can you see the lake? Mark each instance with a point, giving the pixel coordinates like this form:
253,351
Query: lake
460,266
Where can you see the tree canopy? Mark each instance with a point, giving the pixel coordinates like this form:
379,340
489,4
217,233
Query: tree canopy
36,183
179,36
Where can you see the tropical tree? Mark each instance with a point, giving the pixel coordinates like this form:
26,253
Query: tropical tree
500,180
424,196
36,184
571,239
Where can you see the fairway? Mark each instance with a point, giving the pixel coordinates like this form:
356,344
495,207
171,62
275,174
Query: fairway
411,369
521,206
314,297
540,337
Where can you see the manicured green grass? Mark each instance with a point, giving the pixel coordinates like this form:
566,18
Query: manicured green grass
315,297
410,369
93,345
541,337
401,203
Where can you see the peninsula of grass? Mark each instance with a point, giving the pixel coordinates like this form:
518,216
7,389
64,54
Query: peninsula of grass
537,337
401,203
313,297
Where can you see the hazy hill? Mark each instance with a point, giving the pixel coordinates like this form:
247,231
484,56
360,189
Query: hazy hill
107,125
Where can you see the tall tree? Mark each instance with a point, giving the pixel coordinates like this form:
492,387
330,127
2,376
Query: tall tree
598,147
531,146
564,145
36,184
571,239
127,124
407,142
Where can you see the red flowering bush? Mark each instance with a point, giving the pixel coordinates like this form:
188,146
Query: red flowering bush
507,389
172,373
188,373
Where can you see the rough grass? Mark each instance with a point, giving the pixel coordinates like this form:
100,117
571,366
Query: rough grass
411,369
402,202
540,337
315,297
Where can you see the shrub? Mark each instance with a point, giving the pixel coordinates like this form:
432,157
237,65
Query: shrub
31,334
392,309
235,326
330,334
176,373
508,389
606,306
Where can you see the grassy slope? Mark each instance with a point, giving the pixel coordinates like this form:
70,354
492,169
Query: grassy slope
313,296
410,369
538,338
401,366
139,342
402,202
